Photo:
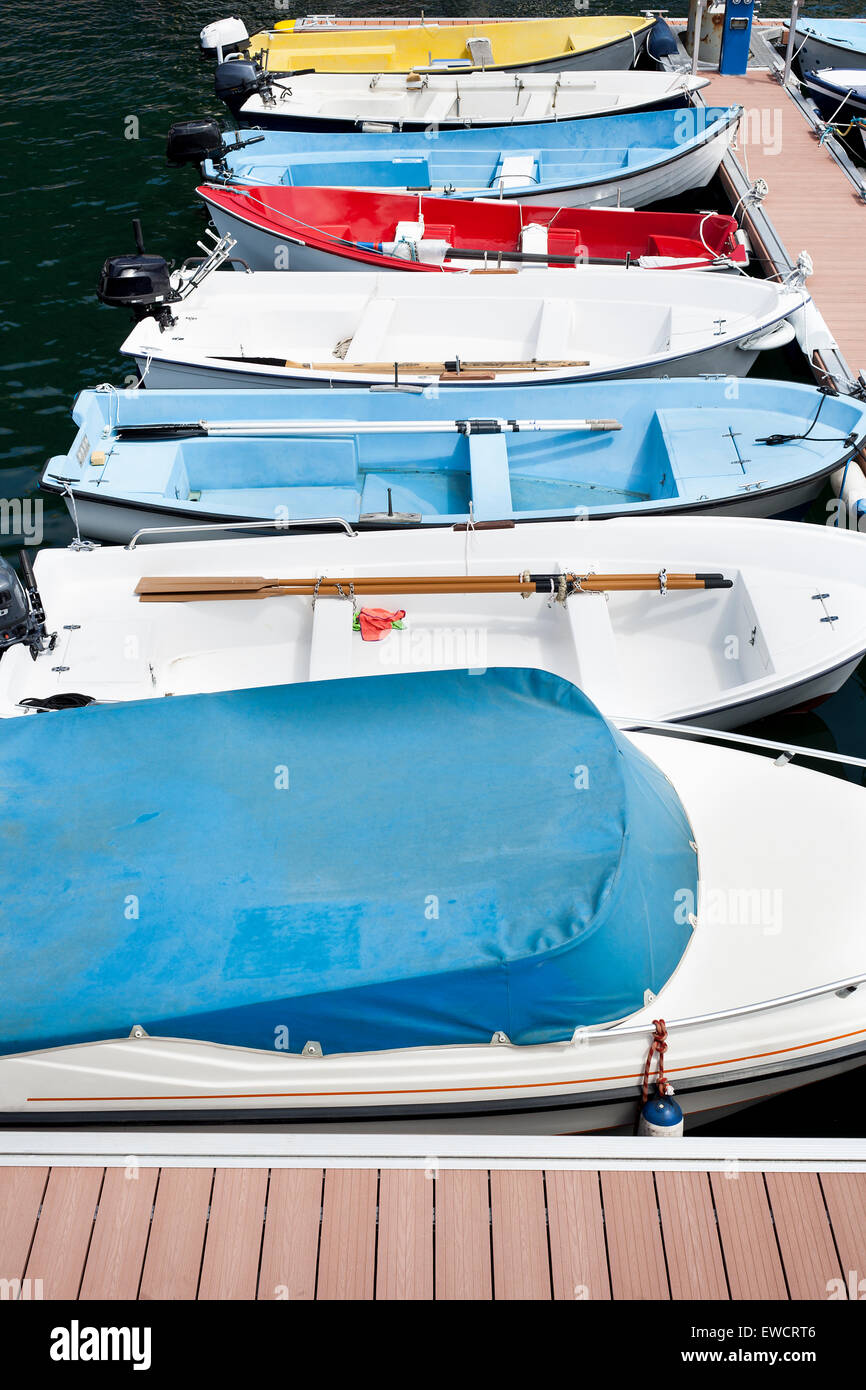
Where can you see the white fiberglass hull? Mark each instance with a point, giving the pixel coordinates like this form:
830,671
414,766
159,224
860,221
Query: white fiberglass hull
397,101
721,657
753,1008
814,53
175,373
590,323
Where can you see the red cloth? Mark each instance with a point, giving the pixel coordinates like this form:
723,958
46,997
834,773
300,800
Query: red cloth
375,623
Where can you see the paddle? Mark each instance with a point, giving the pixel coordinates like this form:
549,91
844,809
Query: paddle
193,588
200,429
455,364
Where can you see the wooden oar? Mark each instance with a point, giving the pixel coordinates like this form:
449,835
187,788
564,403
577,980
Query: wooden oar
437,368
195,588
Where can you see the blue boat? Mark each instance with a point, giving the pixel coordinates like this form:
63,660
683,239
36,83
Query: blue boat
380,459
830,43
257,868
630,159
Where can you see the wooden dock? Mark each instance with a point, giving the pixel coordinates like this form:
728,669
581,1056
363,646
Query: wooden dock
284,1217
811,203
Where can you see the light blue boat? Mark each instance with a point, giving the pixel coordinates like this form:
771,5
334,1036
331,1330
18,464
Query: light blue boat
632,159
381,459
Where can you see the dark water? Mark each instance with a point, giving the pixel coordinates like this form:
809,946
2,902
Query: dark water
89,92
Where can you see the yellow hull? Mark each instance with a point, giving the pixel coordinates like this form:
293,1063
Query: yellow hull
512,43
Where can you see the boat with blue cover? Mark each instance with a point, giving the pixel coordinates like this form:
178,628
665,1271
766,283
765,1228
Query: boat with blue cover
629,160
452,899
381,459
830,43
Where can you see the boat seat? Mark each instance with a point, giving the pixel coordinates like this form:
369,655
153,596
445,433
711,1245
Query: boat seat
437,107
564,243
680,247
480,50
292,461
366,344
440,231
533,238
516,169
537,108
413,171
595,645
281,503
554,341
639,156
331,640
490,480
337,229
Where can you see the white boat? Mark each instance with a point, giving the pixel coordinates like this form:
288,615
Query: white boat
359,329
830,43
788,631
756,963
419,101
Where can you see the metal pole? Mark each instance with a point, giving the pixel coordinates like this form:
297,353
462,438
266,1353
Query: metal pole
696,35
789,51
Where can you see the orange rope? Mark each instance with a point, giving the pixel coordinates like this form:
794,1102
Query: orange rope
657,1048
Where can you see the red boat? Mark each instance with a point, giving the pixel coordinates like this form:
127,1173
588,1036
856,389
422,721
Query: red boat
349,229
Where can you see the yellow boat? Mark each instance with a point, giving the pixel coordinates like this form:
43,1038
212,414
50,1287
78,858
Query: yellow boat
533,45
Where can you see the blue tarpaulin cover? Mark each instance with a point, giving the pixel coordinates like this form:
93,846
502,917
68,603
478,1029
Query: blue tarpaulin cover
372,863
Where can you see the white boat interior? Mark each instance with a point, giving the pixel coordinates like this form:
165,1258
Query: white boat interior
724,655
556,324
473,98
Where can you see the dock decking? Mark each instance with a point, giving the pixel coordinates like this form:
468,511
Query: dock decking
274,1217
811,203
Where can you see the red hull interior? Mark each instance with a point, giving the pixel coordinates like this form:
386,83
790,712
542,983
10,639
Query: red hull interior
354,223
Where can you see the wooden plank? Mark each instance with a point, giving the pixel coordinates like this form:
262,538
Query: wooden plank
172,1265
634,1242
521,1262
830,223
59,1249
347,1249
290,1251
748,1236
696,1269
21,1192
230,1268
578,1258
404,1264
803,1231
463,1259
845,1195
120,1234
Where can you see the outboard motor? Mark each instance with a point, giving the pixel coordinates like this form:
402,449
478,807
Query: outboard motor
22,619
235,81
138,282
225,36
192,142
